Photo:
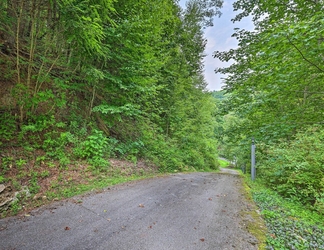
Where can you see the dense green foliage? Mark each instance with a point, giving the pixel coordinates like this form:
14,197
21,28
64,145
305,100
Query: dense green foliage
84,81
108,79
223,163
275,93
295,169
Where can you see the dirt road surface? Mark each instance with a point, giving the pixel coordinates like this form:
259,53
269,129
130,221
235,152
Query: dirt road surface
180,211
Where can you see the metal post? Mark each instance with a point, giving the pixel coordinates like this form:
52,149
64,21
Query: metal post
253,172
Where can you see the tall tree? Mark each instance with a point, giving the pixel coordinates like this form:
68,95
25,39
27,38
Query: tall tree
276,80
275,94
131,68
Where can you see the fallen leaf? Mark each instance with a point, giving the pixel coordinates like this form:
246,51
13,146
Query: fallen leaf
202,239
67,228
210,199
105,211
141,205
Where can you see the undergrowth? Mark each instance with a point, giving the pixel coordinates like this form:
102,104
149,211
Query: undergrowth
295,168
290,224
55,159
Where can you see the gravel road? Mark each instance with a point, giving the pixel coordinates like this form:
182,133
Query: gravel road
180,211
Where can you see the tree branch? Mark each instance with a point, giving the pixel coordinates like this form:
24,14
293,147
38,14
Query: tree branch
304,56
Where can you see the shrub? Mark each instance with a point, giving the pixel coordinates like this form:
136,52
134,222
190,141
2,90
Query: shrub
295,169
94,145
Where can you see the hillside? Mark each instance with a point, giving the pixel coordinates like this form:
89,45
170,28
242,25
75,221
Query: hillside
84,82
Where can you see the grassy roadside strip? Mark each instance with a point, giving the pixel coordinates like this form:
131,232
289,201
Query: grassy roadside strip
290,224
223,163
255,225
94,185
73,180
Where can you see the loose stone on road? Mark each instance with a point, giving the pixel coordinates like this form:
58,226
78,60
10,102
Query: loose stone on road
180,211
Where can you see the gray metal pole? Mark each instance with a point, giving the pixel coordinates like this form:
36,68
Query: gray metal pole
253,172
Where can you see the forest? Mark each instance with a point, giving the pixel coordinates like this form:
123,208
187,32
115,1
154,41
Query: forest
275,94
87,81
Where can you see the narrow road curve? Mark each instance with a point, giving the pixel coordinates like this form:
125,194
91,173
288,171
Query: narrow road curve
180,211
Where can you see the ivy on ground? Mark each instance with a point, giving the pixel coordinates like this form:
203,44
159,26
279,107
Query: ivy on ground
290,225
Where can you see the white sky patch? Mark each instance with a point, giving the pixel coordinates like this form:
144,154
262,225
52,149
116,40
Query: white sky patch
230,43
211,43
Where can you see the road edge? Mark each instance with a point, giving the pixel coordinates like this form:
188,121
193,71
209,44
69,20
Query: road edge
255,224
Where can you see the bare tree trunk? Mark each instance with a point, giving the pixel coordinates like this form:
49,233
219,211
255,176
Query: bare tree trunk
19,17
92,101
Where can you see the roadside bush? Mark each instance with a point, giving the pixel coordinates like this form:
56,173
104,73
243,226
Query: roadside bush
212,161
94,148
295,169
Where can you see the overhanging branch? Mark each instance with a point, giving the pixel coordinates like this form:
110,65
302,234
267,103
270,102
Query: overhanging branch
299,51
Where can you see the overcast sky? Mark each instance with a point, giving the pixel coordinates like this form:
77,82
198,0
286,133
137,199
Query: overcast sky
219,38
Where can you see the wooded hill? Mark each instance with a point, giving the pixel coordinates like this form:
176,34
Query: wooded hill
107,79
84,81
